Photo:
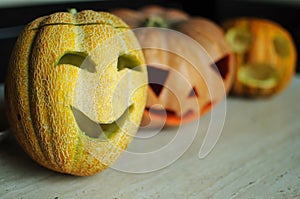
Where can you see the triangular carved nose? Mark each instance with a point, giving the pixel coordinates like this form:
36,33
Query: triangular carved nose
157,78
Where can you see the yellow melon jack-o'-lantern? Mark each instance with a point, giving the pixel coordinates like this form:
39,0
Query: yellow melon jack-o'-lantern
170,56
265,56
69,75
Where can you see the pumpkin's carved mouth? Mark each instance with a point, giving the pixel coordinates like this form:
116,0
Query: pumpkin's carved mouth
263,76
100,131
170,116
168,112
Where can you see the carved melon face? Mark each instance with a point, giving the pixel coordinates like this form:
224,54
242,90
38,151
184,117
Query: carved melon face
265,56
76,90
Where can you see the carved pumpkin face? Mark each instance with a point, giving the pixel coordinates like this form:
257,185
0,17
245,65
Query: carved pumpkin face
179,92
76,90
265,56
184,82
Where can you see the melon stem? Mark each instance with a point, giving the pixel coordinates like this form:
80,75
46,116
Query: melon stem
72,11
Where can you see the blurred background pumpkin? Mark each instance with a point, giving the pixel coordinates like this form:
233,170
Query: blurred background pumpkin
265,56
180,90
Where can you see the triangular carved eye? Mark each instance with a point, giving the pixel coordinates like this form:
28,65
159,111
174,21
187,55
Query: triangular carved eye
193,93
157,78
222,66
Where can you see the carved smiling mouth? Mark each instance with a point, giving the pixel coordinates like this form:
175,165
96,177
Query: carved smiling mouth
100,131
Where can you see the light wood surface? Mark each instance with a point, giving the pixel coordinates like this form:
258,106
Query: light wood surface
257,156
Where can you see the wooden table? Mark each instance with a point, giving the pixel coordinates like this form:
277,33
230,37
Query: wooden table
256,156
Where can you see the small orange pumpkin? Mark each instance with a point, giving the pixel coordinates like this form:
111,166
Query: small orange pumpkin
171,101
76,90
265,56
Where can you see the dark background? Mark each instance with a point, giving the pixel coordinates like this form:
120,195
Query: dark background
286,14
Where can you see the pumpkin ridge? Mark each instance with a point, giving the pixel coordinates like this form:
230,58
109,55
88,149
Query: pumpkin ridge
213,43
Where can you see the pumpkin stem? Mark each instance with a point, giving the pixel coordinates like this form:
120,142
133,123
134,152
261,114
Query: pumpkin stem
155,21
72,11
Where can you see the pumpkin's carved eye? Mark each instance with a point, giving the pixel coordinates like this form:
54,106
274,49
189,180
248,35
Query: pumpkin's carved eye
281,46
239,39
222,66
157,78
162,112
78,59
193,93
128,61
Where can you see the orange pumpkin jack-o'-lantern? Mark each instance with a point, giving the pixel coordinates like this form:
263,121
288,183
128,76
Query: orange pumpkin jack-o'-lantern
180,91
265,56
